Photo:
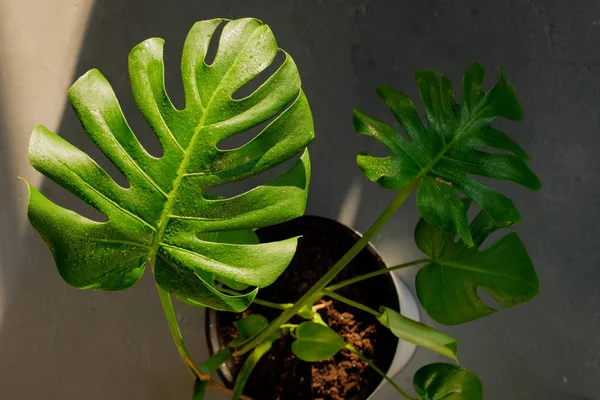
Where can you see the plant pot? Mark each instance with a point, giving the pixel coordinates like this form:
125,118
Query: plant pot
279,375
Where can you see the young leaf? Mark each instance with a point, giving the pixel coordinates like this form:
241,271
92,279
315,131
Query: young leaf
161,217
248,326
445,153
316,342
447,287
418,333
447,382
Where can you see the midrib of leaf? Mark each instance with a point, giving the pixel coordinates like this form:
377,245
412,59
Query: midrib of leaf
181,171
475,269
461,132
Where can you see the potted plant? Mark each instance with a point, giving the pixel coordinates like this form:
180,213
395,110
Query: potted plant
206,250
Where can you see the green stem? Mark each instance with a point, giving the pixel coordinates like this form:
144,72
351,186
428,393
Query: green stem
352,303
165,300
316,289
212,364
380,372
375,273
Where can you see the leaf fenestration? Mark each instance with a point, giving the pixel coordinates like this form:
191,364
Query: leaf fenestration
165,218
445,152
447,287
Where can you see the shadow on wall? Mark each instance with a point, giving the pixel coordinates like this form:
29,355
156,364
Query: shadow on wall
69,338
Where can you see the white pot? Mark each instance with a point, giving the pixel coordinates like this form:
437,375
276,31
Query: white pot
404,350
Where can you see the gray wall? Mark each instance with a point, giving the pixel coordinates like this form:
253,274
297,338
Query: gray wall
60,343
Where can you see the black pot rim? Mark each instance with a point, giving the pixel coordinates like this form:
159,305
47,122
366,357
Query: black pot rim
211,331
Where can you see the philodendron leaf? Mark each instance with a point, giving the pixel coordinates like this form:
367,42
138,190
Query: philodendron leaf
447,287
418,333
447,382
161,219
316,342
445,153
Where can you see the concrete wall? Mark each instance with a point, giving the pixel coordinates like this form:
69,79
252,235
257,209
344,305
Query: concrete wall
60,343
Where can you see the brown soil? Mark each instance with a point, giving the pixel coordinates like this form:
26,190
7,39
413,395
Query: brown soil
280,375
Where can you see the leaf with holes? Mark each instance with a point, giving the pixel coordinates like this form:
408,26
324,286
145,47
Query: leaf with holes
444,154
441,381
447,287
316,342
165,217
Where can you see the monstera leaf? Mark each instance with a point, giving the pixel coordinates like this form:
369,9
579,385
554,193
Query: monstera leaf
166,218
443,154
441,381
447,287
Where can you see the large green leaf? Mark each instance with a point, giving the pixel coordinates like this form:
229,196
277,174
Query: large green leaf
164,216
316,342
445,153
418,333
447,287
441,381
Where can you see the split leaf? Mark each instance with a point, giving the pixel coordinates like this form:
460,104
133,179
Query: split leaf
447,287
164,216
444,153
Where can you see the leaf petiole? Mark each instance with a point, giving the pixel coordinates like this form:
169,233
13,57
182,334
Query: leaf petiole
376,273
380,372
167,304
352,303
313,293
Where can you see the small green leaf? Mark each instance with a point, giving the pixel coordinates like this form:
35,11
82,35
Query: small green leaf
447,287
166,216
418,333
316,342
450,148
251,325
447,382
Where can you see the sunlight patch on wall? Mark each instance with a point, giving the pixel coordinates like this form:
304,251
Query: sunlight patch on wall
39,49
351,204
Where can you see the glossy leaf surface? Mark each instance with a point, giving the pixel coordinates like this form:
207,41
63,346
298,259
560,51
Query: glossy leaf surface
165,217
447,287
418,333
445,152
316,342
447,382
